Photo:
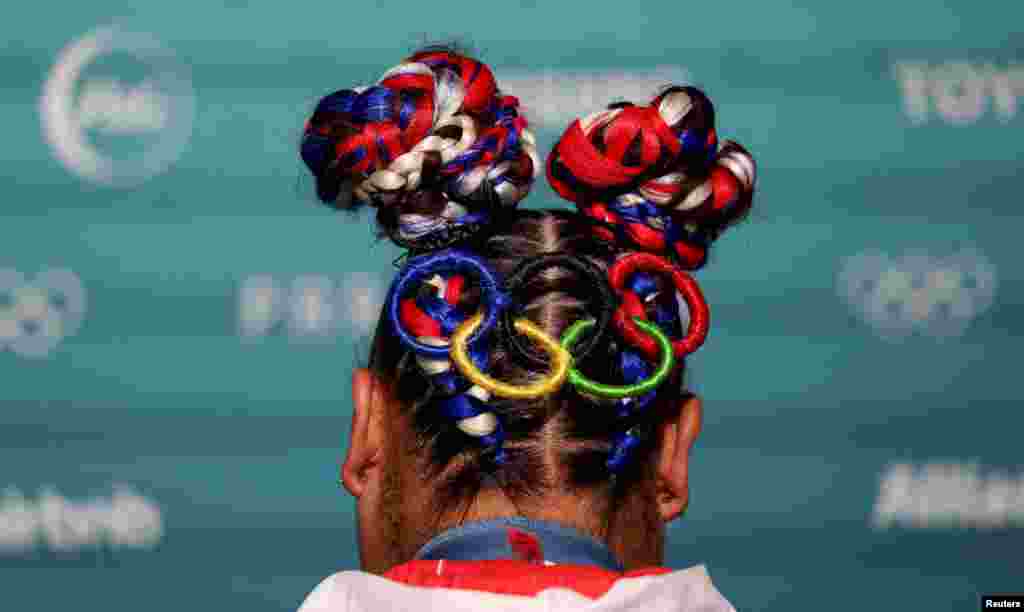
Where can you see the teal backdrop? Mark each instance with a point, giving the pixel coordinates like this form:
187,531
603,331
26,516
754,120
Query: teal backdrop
178,317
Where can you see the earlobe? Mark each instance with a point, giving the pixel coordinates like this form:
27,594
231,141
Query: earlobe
677,438
364,444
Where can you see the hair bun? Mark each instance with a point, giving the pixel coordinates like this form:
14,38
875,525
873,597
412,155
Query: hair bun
434,146
655,177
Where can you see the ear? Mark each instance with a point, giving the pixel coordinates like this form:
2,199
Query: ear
365,450
677,436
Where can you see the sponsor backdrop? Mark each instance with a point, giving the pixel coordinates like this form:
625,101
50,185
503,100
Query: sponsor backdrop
178,317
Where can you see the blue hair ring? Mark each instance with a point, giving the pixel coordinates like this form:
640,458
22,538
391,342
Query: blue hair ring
418,269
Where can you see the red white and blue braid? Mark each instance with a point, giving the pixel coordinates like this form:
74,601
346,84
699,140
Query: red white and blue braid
436,105
655,177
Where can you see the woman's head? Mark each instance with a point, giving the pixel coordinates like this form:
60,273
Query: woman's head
429,449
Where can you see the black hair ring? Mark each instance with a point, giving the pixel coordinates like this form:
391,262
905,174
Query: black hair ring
598,289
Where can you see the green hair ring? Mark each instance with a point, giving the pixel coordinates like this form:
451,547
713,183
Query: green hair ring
601,390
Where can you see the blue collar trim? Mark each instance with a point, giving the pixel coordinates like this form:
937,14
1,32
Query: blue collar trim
483,540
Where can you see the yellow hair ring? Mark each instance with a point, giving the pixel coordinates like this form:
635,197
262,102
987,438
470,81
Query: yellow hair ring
561,361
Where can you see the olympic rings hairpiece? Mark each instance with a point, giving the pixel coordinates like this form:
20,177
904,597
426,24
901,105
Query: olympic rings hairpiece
451,346
632,307
419,269
596,281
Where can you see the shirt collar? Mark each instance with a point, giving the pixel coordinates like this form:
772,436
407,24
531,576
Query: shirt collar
503,538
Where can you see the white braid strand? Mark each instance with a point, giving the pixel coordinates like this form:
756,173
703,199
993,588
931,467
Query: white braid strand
404,173
483,424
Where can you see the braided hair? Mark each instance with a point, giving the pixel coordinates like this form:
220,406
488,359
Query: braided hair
655,177
434,146
654,189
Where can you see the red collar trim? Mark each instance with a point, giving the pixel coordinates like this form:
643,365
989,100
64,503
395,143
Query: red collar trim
512,577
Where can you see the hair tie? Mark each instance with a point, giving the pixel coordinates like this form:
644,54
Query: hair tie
616,392
469,226
561,360
420,268
632,307
600,292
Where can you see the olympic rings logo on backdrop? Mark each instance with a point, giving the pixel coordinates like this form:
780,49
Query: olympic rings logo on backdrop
37,314
117,107
917,292
959,93
309,306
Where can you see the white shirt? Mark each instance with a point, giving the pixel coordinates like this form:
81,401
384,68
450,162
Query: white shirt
688,590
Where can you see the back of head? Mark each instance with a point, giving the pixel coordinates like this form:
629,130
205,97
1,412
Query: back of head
444,156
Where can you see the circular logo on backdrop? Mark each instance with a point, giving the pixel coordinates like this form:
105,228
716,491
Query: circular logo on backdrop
117,107
917,292
37,314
